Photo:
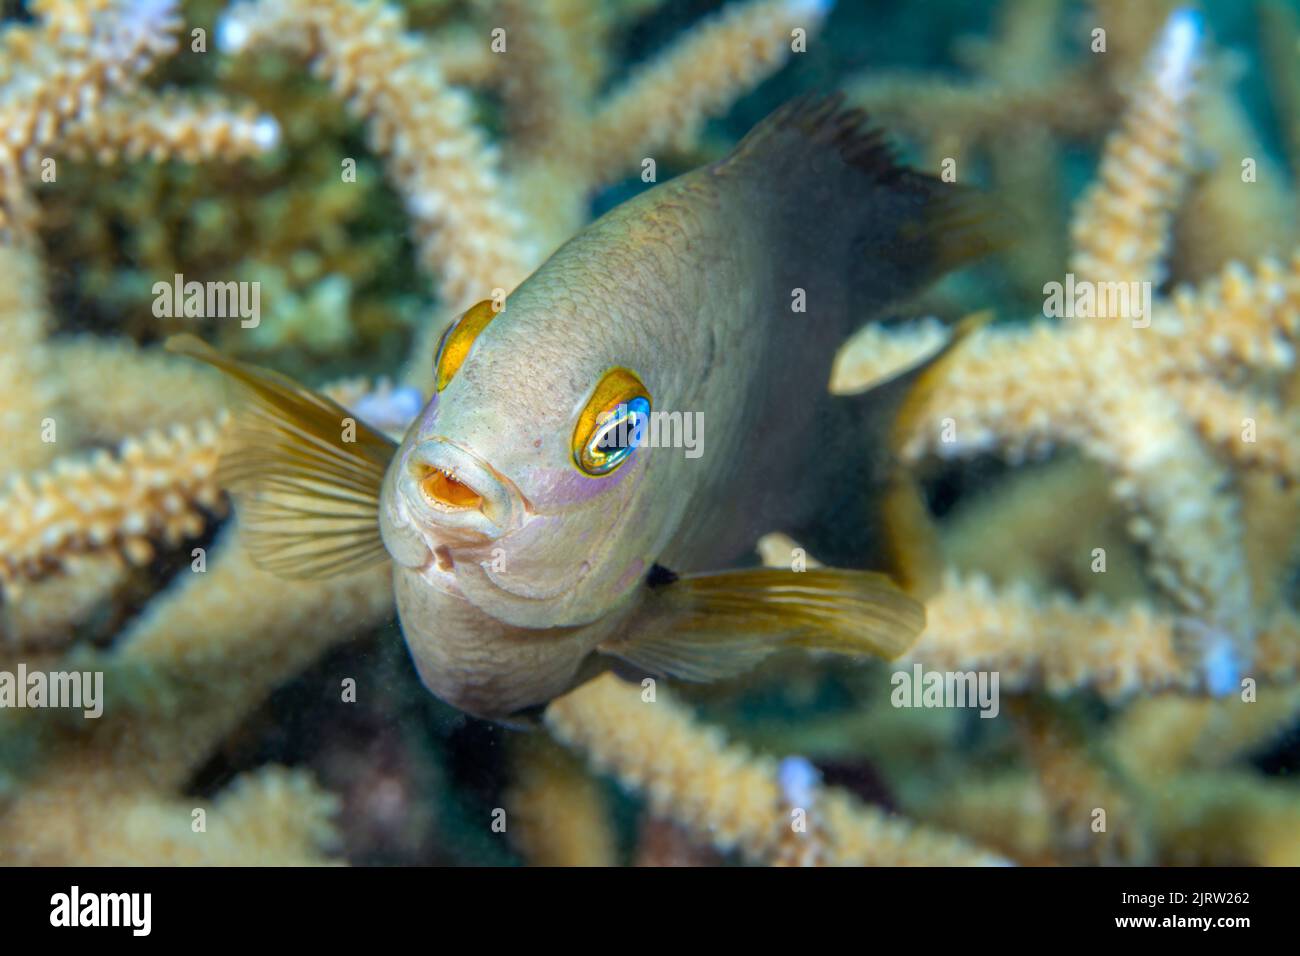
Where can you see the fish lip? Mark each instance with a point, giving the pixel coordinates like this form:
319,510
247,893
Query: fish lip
460,534
504,507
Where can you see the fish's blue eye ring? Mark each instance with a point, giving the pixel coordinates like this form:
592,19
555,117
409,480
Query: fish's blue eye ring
612,424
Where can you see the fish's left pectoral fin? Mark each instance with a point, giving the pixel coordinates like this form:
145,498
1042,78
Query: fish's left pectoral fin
305,473
708,627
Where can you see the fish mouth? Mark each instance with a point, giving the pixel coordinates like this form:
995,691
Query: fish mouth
467,531
447,492
454,493
452,510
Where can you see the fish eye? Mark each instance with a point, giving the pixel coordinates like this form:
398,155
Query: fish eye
611,424
459,339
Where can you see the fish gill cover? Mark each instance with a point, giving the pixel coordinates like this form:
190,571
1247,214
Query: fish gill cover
1108,668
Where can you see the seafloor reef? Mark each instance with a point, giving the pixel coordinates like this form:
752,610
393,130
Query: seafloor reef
1118,494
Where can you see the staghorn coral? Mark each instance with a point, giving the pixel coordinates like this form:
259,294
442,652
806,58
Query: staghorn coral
1144,401
57,73
186,657
1160,409
183,628
559,815
1137,391
722,792
1039,527
460,195
54,613
274,816
1122,223
1077,785
187,128
665,101
27,391
154,488
439,161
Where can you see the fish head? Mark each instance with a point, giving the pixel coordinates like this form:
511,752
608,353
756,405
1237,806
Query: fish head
502,492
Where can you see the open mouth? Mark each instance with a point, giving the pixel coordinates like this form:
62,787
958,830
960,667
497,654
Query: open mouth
444,490
456,491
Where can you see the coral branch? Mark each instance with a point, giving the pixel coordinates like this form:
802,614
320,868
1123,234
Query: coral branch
558,813
65,76
665,101
723,793
187,128
28,396
163,390
1122,226
155,488
468,234
272,817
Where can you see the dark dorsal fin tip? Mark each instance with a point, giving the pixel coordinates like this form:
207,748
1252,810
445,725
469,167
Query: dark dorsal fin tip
822,120
826,120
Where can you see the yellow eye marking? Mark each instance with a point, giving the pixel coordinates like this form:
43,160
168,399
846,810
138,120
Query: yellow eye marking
618,397
459,339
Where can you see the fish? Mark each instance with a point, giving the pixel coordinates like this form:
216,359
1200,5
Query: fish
538,538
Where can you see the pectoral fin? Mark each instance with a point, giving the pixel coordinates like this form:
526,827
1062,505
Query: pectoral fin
306,474
710,626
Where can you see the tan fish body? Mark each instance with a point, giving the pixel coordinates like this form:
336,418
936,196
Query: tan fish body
528,555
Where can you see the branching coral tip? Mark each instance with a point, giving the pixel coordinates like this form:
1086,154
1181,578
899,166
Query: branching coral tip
1176,51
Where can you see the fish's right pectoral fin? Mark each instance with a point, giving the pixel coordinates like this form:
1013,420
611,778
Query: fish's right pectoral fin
305,473
712,626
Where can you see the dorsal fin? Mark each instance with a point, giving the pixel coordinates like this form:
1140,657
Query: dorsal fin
842,210
306,473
